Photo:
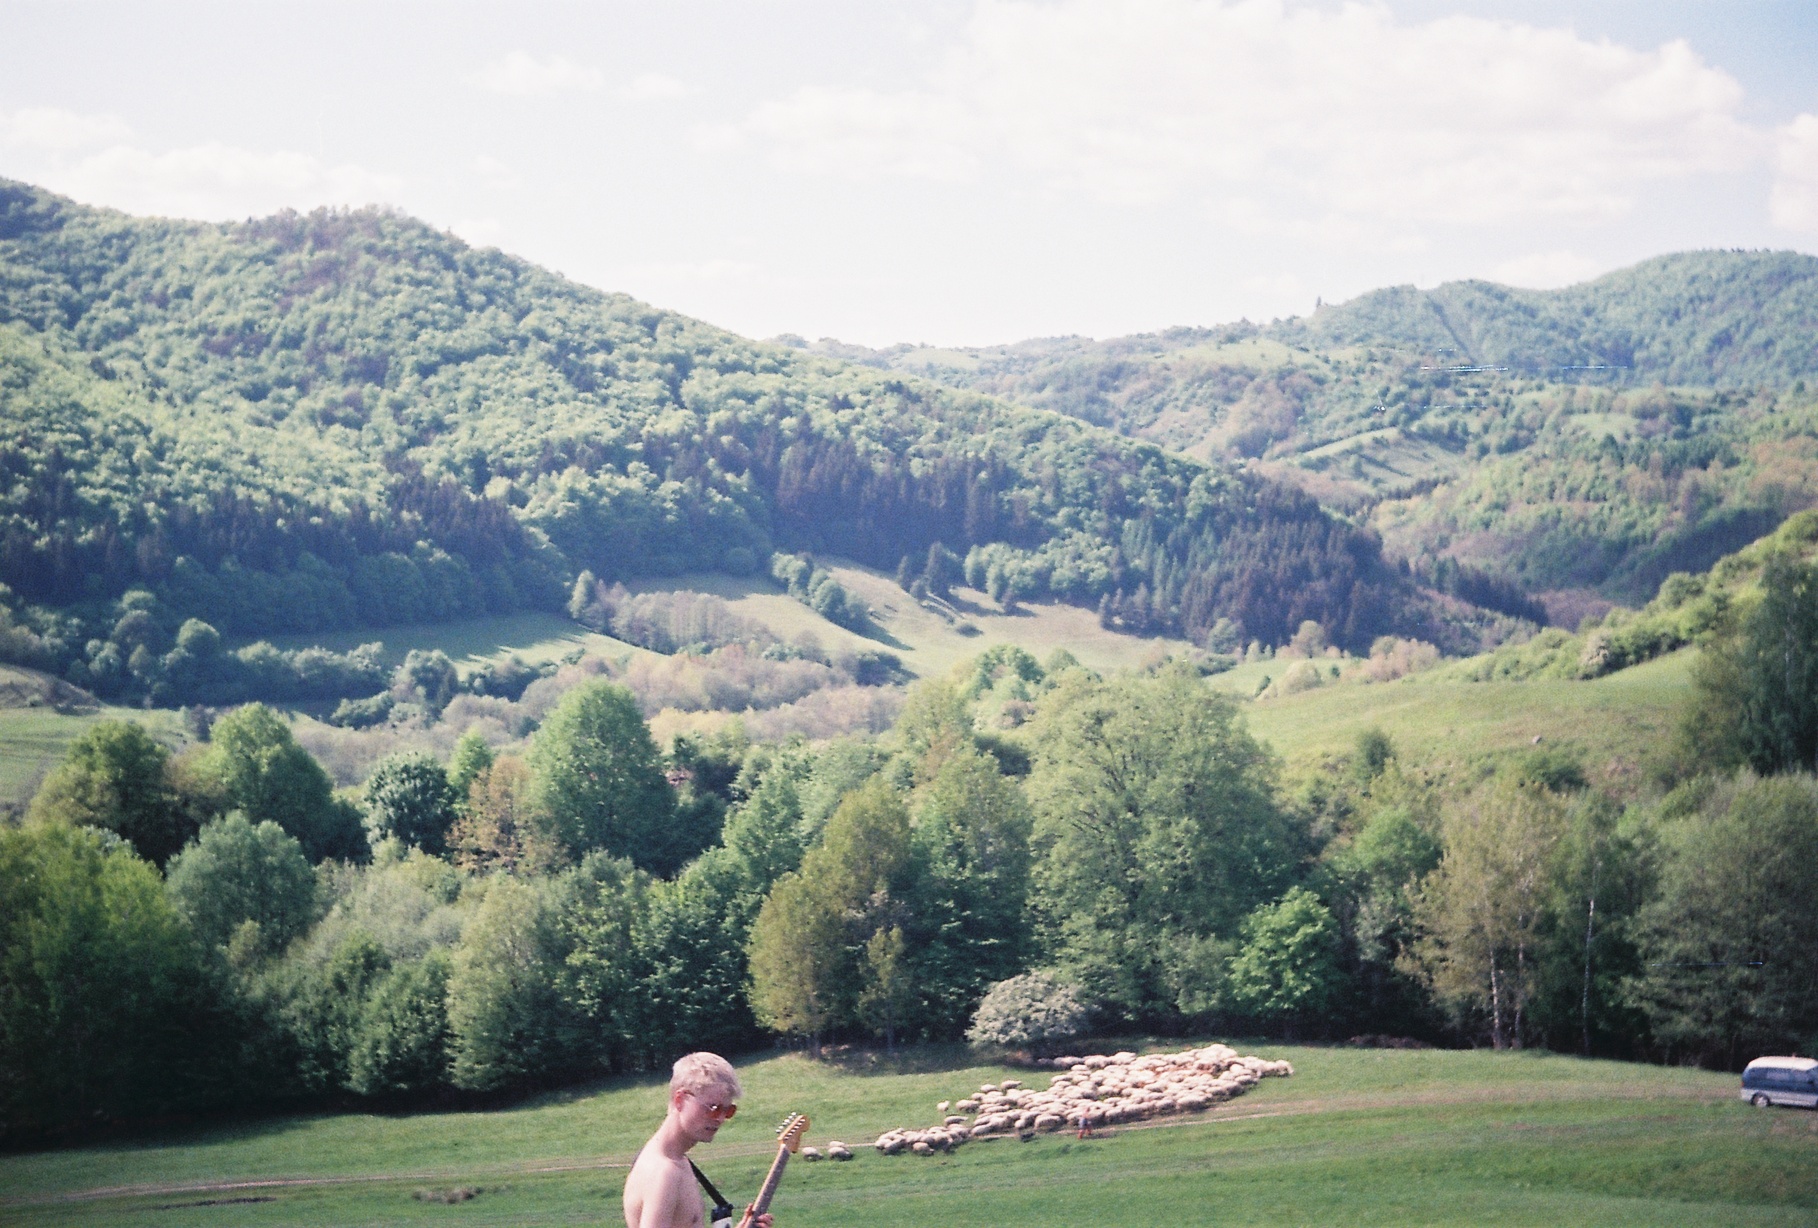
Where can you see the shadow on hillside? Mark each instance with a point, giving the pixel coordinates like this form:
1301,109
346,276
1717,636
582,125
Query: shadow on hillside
244,1122
909,1059
870,630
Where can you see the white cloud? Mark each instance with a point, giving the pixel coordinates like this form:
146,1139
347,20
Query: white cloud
215,181
1327,117
1793,203
523,75
653,87
52,128
715,269
1547,270
495,174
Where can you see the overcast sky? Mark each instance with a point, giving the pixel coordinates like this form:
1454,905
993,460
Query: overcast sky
954,171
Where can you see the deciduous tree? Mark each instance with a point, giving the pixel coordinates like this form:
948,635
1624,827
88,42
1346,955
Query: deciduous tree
600,782
105,1011
1157,829
115,776
1756,685
263,772
971,922
1479,913
1731,940
1287,969
235,872
408,798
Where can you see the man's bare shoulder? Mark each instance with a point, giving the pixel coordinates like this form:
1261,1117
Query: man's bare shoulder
663,1185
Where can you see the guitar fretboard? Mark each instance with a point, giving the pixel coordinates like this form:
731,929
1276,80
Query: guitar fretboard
771,1181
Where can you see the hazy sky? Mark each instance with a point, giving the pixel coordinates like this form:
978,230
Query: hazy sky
954,171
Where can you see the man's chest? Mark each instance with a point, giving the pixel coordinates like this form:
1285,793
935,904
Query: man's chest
690,1211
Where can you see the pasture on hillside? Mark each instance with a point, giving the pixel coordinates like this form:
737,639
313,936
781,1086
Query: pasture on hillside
1355,1137
37,724
1617,726
928,639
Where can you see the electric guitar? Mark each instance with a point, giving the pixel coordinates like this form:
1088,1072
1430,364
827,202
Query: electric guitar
789,1141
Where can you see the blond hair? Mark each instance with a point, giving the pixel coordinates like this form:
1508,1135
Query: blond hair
699,1072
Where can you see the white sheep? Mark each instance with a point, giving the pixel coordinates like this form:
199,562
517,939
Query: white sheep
1089,1091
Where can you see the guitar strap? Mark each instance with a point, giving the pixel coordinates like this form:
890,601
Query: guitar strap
721,1215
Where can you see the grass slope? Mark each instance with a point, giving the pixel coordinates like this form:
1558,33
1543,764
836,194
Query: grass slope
1617,724
929,641
35,729
1356,1137
533,637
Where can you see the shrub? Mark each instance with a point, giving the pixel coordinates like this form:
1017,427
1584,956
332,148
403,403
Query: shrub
363,713
1028,1011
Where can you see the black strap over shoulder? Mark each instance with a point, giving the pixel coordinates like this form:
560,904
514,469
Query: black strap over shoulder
722,1210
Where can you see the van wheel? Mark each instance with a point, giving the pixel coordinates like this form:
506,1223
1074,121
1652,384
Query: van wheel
1759,1101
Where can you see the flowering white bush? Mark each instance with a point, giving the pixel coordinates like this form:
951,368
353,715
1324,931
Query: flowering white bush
1028,1010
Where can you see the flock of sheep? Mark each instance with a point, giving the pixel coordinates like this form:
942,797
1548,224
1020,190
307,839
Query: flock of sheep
1091,1092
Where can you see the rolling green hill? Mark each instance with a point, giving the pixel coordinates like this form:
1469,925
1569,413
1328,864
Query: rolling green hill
352,419
1578,443
1356,1136
1712,318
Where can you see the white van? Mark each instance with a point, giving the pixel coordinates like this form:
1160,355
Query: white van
1781,1080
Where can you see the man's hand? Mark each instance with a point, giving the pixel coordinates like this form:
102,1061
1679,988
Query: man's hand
763,1221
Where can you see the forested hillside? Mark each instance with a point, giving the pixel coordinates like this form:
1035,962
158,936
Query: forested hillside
1716,319
1033,846
1582,442
352,419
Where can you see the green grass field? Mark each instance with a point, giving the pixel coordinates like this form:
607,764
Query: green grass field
927,642
533,636
1355,1137
34,734
1618,725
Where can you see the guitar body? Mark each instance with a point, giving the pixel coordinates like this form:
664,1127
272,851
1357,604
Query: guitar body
789,1141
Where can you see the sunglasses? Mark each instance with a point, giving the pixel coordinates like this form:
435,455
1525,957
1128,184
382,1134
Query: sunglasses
717,1111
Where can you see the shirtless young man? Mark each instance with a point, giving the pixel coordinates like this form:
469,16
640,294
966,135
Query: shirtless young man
661,1191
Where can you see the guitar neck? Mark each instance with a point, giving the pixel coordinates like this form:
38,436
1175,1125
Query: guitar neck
771,1181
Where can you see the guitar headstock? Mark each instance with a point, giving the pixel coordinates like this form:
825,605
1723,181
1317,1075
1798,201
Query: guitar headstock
790,1133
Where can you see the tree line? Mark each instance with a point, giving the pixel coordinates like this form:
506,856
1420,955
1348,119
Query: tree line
506,920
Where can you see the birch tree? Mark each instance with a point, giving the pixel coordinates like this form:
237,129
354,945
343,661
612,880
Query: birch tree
1478,914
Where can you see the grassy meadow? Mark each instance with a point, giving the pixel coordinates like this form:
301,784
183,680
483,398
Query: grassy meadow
35,728
1356,1136
928,641
1617,724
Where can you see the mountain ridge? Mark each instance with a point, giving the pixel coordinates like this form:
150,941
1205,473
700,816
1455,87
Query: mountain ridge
1726,318
349,418
1582,442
